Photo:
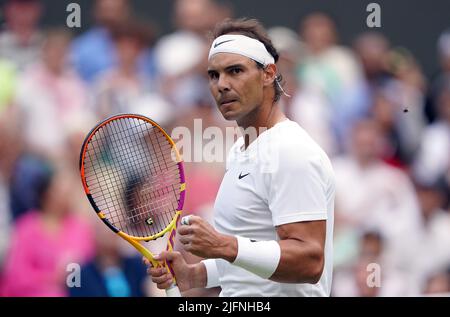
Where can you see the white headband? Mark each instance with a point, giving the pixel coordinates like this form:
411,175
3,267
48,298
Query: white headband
242,45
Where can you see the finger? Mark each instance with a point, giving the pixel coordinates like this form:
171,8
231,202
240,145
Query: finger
168,256
162,256
157,271
184,230
164,285
162,279
147,262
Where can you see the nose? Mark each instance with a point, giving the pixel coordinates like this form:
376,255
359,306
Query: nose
223,84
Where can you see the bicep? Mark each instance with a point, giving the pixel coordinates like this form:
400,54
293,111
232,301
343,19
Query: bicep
310,232
302,247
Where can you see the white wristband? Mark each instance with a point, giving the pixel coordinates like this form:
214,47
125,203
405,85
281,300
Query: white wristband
260,257
212,274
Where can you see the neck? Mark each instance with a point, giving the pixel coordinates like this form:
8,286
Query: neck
262,118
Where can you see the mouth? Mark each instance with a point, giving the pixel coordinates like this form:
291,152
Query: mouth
227,101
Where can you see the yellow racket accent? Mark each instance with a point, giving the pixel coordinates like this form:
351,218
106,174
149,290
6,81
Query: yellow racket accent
133,176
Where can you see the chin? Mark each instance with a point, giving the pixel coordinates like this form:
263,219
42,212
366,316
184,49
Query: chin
230,116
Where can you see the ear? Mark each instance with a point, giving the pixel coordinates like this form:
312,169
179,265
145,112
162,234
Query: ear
269,75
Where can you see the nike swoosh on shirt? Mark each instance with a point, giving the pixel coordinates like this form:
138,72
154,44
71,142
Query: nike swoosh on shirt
217,44
242,176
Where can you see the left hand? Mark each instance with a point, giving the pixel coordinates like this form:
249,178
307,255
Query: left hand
201,239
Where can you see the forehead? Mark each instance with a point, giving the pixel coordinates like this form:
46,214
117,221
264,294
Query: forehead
222,60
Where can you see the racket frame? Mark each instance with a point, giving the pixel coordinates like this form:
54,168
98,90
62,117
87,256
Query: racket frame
172,227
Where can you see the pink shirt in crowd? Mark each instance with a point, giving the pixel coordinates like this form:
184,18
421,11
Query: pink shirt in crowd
37,260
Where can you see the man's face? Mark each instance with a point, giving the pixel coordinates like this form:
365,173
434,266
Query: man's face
236,84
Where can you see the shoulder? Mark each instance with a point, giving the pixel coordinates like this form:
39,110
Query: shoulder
294,156
294,145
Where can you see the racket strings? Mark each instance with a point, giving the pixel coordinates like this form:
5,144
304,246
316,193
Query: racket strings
132,176
150,207
156,167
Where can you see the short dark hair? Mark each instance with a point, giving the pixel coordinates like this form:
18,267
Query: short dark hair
254,29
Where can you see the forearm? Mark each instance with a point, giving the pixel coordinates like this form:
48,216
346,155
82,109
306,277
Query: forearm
296,258
300,262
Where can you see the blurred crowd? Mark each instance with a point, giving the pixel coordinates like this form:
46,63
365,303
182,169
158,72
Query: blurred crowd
385,125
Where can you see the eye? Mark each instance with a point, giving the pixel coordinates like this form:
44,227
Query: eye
213,75
235,70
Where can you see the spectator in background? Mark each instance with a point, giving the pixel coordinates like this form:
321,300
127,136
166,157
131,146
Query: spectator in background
77,129
406,93
372,195
371,274
126,88
45,241
388,115
307,105
94,52
432,251
181,56
199,16
372,49
433,159
111,273
49,94
205,176
21,42
287,43
27,174
441,79
334,72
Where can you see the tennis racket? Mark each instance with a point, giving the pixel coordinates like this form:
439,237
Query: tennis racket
133,176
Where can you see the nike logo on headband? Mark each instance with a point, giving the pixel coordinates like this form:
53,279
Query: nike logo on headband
217,44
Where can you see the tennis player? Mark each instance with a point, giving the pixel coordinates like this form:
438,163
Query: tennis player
273,215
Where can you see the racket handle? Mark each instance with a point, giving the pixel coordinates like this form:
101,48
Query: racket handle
173,291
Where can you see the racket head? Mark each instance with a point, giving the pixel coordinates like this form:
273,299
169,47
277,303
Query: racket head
133,176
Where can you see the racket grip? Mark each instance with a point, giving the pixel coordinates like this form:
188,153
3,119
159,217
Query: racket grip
173,291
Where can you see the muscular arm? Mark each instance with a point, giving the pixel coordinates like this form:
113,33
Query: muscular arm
302,248
302,252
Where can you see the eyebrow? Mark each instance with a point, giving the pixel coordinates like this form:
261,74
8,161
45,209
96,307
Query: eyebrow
228,67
